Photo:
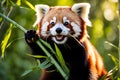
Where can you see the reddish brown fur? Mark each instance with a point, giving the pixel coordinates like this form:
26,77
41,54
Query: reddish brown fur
59,13
94,59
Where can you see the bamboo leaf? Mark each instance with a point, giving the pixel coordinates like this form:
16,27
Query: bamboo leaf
5,40
52,60
18,2
48,46
10,43
61,59
30,71
13,22
45,64
26,72
115,60
37,56
59,55
30,5
111,44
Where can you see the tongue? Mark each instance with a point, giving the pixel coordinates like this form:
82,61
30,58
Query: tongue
59,37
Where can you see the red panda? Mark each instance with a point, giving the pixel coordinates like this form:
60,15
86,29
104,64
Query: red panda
57,25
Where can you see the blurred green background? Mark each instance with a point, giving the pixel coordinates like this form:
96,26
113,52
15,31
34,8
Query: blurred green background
103,34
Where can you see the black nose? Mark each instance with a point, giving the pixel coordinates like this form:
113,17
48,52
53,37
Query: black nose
58,30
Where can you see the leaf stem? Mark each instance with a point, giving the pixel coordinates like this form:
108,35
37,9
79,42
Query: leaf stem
53,61
13,22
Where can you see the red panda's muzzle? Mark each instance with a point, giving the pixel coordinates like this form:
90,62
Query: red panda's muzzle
59,37
60,30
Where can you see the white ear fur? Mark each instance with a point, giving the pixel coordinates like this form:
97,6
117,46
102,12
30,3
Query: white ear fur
41,10
82,9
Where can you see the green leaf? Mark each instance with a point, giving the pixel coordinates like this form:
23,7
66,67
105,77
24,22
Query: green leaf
11,42
5,40
13,22
59,55
37,56
30,71
52,60
61,60
18,2
26,72
29,4
48,46
111,44
45,43
45,64
115,60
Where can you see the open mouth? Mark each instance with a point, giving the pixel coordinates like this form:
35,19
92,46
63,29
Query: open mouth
59,39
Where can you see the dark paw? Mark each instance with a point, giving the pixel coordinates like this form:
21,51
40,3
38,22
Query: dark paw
31,36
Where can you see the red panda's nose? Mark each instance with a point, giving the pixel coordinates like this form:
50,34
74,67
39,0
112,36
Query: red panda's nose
58,30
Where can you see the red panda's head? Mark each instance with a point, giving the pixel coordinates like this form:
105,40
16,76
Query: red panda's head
60,22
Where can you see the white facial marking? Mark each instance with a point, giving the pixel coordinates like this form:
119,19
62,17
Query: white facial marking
53,20
44,29
76,28
65,30
65,20
59,38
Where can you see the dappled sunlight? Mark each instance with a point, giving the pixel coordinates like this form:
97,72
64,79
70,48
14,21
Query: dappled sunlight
103,34
111,35
113,0
109,10
65,2
98,28
108,14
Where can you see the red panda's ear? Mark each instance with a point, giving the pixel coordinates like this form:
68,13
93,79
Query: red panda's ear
41,10
82,9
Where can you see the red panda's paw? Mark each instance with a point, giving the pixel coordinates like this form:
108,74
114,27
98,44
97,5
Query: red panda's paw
31,36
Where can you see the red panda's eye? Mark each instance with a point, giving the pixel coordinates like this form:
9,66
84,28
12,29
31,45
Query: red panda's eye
66,23
52,23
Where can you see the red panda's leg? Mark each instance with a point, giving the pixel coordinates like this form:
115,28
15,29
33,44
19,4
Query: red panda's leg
30,38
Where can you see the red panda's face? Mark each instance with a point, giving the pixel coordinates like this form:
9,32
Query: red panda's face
60,22
59,25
